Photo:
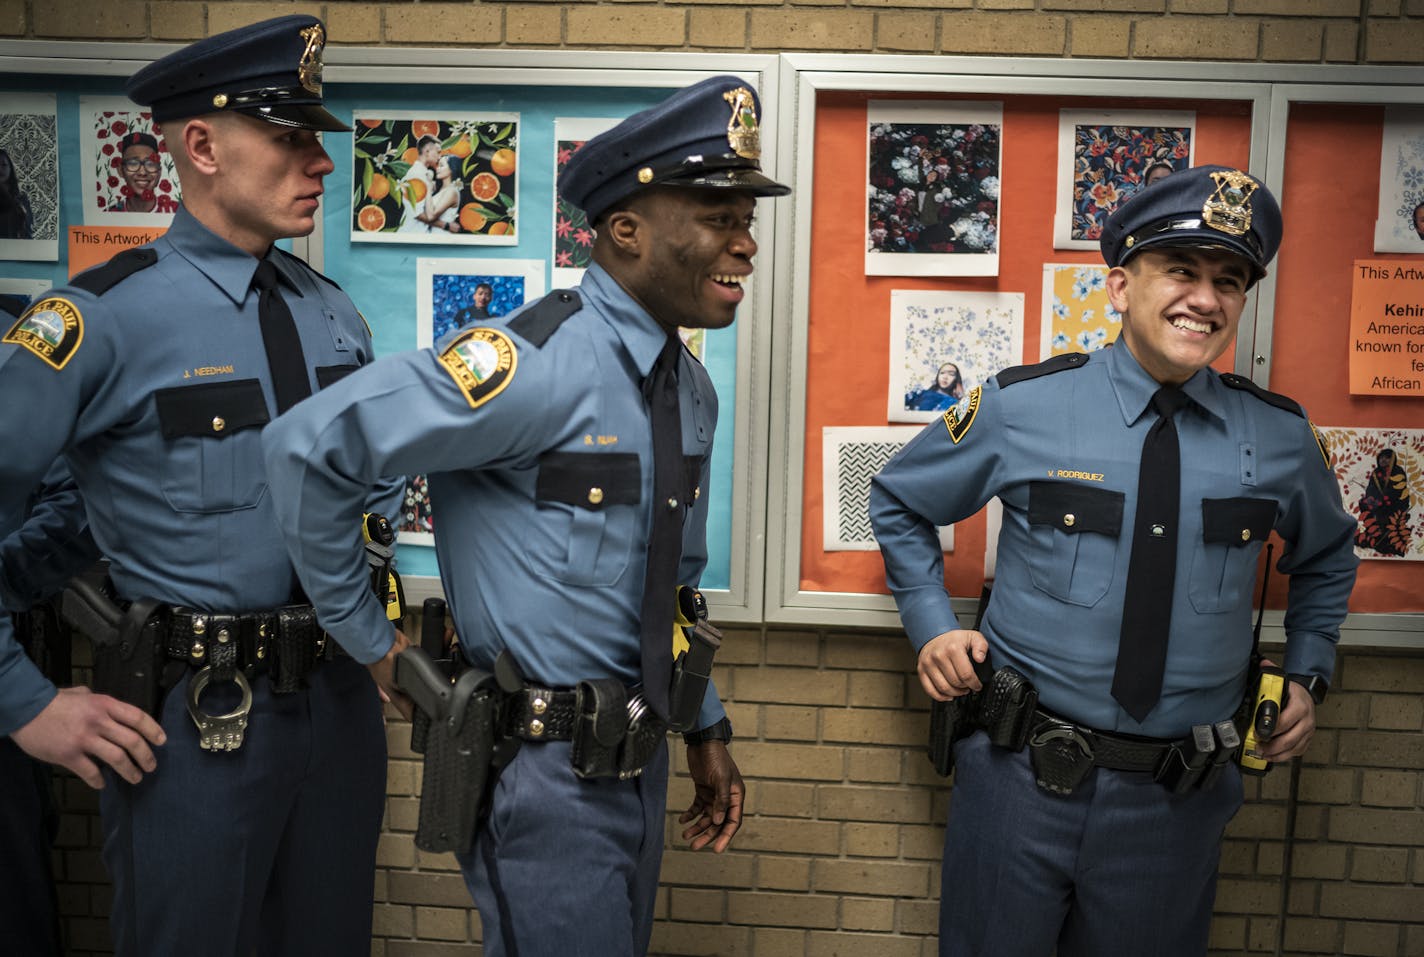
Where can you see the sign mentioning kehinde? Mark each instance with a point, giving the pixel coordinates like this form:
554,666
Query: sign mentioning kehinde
1387,328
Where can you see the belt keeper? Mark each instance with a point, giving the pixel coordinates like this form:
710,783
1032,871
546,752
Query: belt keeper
222,647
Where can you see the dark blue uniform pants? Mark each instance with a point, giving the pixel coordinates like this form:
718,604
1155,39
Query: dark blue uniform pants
1119,867
28,821
271,847
566,866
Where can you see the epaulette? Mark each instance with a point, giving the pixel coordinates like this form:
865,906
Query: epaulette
1233,381
541,320
101,279
1071,360
11,306
307,266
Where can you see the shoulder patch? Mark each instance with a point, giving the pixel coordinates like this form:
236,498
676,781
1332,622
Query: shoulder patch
51,328
307,267
957,424
101,279
1233,381
482,361
1320,441
542,320
1072,360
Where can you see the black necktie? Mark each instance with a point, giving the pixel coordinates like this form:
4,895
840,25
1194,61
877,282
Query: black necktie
665,542
280,339
1147,608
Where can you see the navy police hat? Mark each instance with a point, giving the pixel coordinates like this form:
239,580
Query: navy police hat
704,135
1208,207
269,70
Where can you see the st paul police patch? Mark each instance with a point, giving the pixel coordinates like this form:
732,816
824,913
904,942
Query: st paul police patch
961,417
482,363
51,328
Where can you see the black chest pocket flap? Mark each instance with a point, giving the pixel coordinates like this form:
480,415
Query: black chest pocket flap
212,457
590,480
1075,531
213,409
1236,521
579,539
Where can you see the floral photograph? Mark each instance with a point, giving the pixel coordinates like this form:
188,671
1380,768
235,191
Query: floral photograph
29,177
943,344
1107,157
1381,476
1399,227
446,180
1077,316
416,524
135,182
933,184
573,236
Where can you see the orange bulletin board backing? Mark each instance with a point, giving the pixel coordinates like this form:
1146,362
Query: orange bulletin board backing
1329,199
848,348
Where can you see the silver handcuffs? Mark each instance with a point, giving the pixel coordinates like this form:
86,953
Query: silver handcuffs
219,732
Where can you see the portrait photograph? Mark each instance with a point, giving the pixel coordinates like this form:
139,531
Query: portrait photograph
29,177
1381,476
451,179
134,181
933,170
943,344
1077,316
1399,225
851,456
573,236
1105,157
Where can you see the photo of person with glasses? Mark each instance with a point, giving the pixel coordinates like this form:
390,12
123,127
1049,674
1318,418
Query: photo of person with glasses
142,170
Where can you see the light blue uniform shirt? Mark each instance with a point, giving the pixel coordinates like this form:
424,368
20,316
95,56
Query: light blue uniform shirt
158,410
1069,444
541,492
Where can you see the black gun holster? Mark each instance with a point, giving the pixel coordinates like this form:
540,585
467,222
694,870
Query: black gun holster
129,654
464,753
1003,708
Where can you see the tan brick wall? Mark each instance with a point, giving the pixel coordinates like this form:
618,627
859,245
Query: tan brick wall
1279,31
840,849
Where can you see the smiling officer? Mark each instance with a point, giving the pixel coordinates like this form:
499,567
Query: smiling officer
257,829
1138,487
568,447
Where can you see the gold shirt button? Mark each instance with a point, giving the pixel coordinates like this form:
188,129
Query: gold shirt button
1069,519
1245,534
595,495
219,423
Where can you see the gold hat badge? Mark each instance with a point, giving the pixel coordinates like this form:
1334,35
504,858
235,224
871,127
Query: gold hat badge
1229,208
309,69
742,133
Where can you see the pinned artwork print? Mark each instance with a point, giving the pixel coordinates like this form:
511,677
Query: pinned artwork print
1077,315
1381,477
573,235
1399,226
452,179
135,182
933,188
1107,157
944,344
29,177
851,456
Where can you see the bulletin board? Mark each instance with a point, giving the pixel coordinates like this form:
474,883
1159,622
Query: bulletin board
539,87
837,344
1330,198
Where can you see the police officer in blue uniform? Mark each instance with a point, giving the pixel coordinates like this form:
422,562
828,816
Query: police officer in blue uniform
539,443
1075,841
152,375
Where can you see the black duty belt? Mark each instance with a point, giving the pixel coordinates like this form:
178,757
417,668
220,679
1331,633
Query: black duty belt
1117,752
542,714
286,641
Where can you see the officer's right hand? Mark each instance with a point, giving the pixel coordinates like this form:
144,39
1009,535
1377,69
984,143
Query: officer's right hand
78,726
946,670
383,672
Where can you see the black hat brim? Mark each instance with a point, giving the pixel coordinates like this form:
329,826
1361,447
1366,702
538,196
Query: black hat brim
740,179
306,116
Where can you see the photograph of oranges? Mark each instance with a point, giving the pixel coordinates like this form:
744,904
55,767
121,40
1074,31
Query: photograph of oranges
435,179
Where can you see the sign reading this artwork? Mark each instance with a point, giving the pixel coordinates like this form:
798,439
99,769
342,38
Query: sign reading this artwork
93,245
1387,327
